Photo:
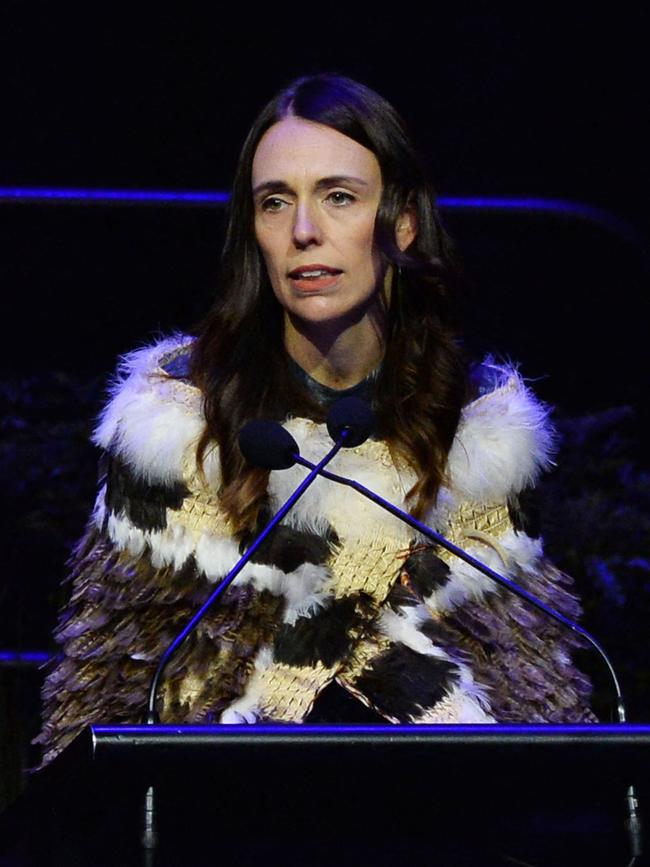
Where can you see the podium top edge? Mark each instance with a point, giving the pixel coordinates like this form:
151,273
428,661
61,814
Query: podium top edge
458,735
594,729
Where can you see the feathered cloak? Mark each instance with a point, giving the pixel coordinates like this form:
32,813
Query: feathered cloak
342,591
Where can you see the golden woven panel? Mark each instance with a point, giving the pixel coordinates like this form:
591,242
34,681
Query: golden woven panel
475,522
493,518
289,692
201,513
371,569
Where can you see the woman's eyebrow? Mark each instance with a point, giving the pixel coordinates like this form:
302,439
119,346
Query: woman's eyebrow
340,180
272,187
322,183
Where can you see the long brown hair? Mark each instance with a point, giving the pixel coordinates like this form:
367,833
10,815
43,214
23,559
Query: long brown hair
238,359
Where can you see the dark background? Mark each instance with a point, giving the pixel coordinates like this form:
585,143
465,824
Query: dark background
527,101
504,101
535,101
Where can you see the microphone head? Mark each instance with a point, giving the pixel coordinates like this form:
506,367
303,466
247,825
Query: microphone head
267,444
353,414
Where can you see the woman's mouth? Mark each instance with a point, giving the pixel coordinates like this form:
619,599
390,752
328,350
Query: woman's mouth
313,278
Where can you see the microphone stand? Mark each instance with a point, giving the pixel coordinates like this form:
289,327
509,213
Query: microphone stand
633,821
149,834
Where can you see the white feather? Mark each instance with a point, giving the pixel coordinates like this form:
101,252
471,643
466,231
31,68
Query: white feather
173,545
327,503
306,589
150,420
503,442
216,555
403,626
126,536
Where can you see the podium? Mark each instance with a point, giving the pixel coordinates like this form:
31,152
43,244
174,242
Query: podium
334,795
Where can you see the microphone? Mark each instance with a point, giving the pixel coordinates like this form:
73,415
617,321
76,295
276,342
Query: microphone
355,416
267,444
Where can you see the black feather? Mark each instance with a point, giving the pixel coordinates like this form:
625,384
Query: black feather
426,571
324,637
524,512
401,595
439,633
402,683
143,503
287,548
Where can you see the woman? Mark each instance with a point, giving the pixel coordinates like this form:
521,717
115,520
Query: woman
337,278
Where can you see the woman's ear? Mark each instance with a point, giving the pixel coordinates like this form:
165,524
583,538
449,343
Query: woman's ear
406,228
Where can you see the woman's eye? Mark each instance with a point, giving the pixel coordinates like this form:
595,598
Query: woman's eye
338,197
273,204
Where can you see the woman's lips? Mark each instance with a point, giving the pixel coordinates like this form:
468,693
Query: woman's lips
314,278
315,284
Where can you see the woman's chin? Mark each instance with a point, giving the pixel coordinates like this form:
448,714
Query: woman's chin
327,317
330,311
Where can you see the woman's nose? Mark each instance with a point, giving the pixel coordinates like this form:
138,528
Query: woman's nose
306,228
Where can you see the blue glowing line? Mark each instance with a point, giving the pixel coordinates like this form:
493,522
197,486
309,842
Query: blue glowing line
27,657
533,205
522,204
44,194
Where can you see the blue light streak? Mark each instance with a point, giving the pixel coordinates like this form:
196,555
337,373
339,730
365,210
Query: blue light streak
26,657
496,203
146,197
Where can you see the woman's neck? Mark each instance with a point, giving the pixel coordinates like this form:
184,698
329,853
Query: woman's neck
334,356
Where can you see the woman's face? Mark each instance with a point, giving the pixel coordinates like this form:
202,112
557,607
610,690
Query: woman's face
316,194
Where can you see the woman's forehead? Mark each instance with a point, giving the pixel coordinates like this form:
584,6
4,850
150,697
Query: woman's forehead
298,148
